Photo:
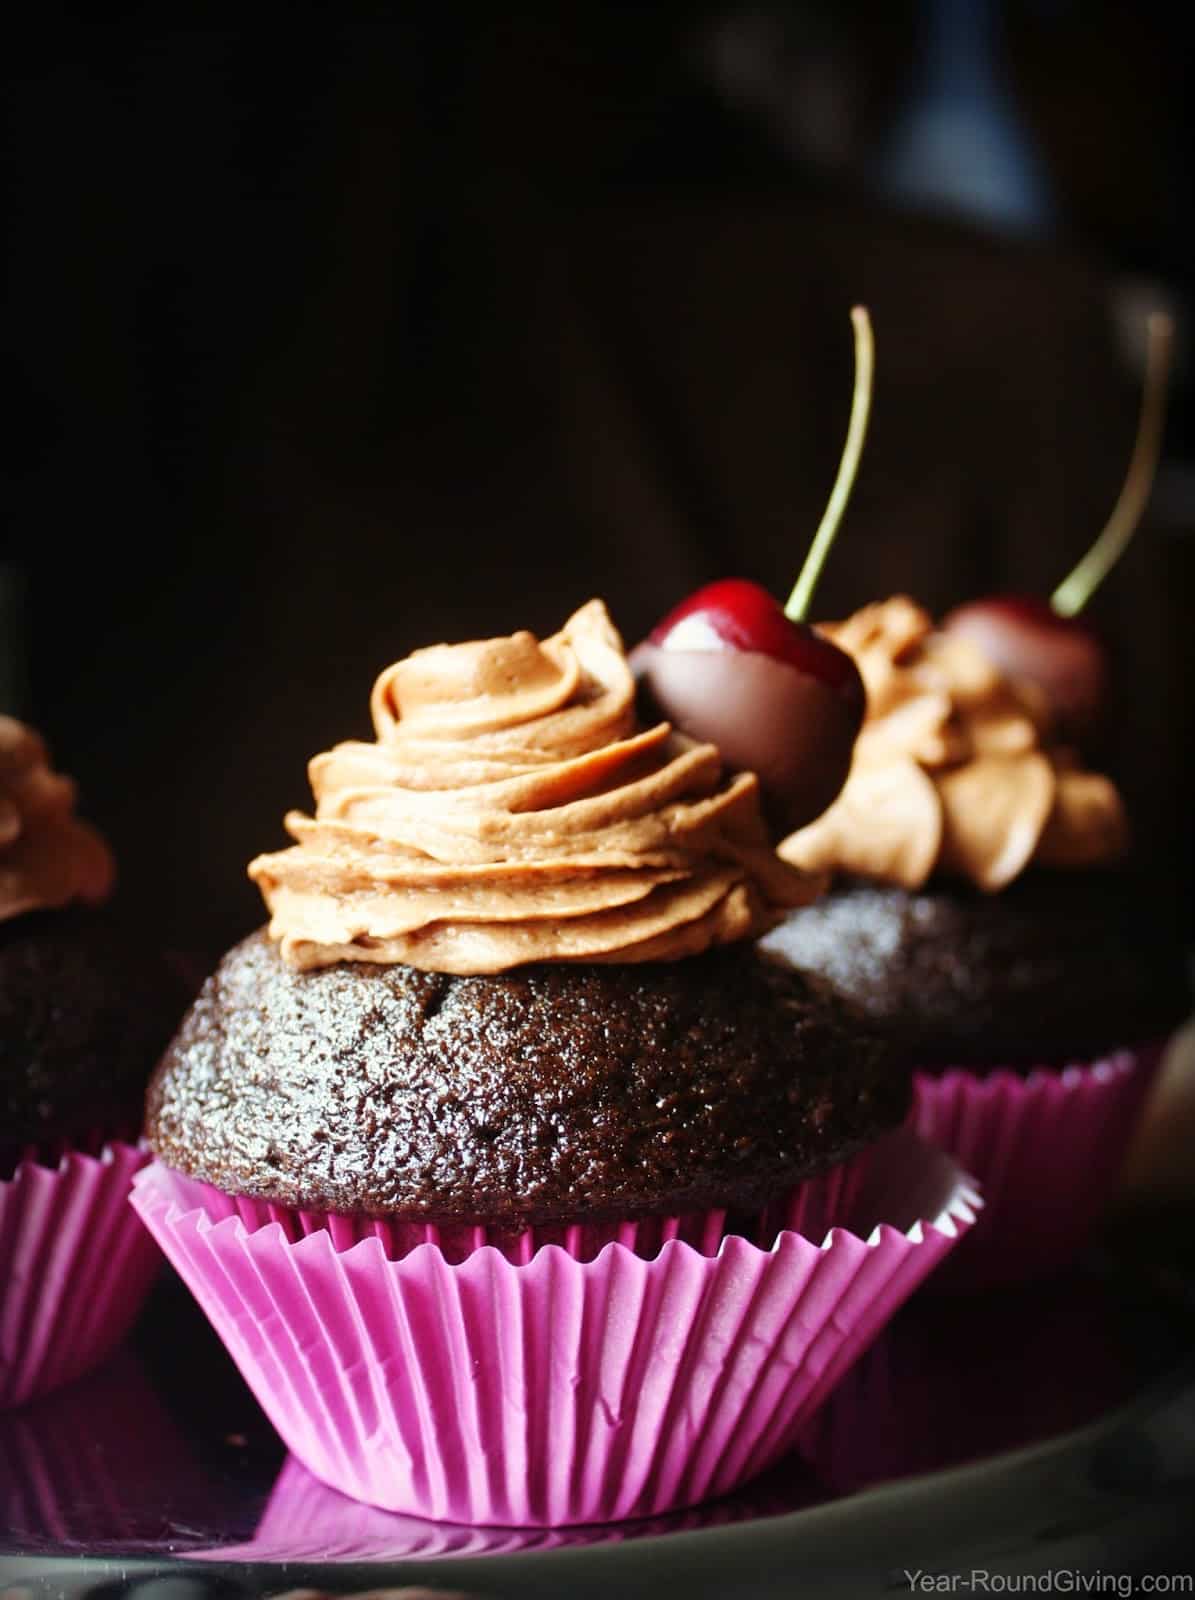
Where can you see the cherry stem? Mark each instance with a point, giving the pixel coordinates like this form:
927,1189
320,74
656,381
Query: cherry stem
1075,590
801,598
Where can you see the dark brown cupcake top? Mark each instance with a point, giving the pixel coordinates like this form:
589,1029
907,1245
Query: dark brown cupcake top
1058,967
84,1017
552,1093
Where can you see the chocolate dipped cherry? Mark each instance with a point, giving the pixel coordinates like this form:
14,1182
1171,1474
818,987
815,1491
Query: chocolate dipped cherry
775,696
733,666
1026,638
1048,643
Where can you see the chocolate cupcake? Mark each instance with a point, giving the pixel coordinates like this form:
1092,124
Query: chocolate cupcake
506,1098
984,917
83,1019
529,1103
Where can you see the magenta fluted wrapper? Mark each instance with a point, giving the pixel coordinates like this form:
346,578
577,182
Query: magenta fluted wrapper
554,1391
1046,1147
810,1208
75,1266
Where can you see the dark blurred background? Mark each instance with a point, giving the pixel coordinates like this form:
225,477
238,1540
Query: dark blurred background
324,339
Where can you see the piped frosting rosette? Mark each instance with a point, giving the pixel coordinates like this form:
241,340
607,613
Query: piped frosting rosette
511,810
49,857
954,770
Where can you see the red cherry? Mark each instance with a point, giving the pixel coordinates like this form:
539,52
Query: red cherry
1046,642
1026,638
732,666
736,614
775,696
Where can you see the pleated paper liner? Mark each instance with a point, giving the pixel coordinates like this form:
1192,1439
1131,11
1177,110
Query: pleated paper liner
1046,1147
75,1265
555,1390
810,1208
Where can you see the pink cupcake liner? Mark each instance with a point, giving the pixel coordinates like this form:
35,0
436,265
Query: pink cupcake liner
1046,1147
554,1391
810,1208
75,1266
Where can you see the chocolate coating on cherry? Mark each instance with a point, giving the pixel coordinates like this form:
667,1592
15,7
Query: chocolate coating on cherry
1025,638
775,696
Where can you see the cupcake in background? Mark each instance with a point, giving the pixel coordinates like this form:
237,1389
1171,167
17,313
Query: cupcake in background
521,1189
83,1019
985,916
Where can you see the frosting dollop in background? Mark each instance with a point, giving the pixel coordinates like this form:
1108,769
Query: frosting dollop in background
512,810
954,770
48,856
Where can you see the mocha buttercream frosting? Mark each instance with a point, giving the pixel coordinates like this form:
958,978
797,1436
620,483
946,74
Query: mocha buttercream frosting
49,857
512,810
955,770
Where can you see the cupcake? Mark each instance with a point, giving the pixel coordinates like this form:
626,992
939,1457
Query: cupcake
519,1186
985,917
83,1019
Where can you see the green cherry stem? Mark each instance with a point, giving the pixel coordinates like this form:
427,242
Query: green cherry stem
801,598
1075,590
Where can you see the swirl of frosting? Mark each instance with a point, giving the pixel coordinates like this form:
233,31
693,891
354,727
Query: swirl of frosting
953,769
512,810
48,857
